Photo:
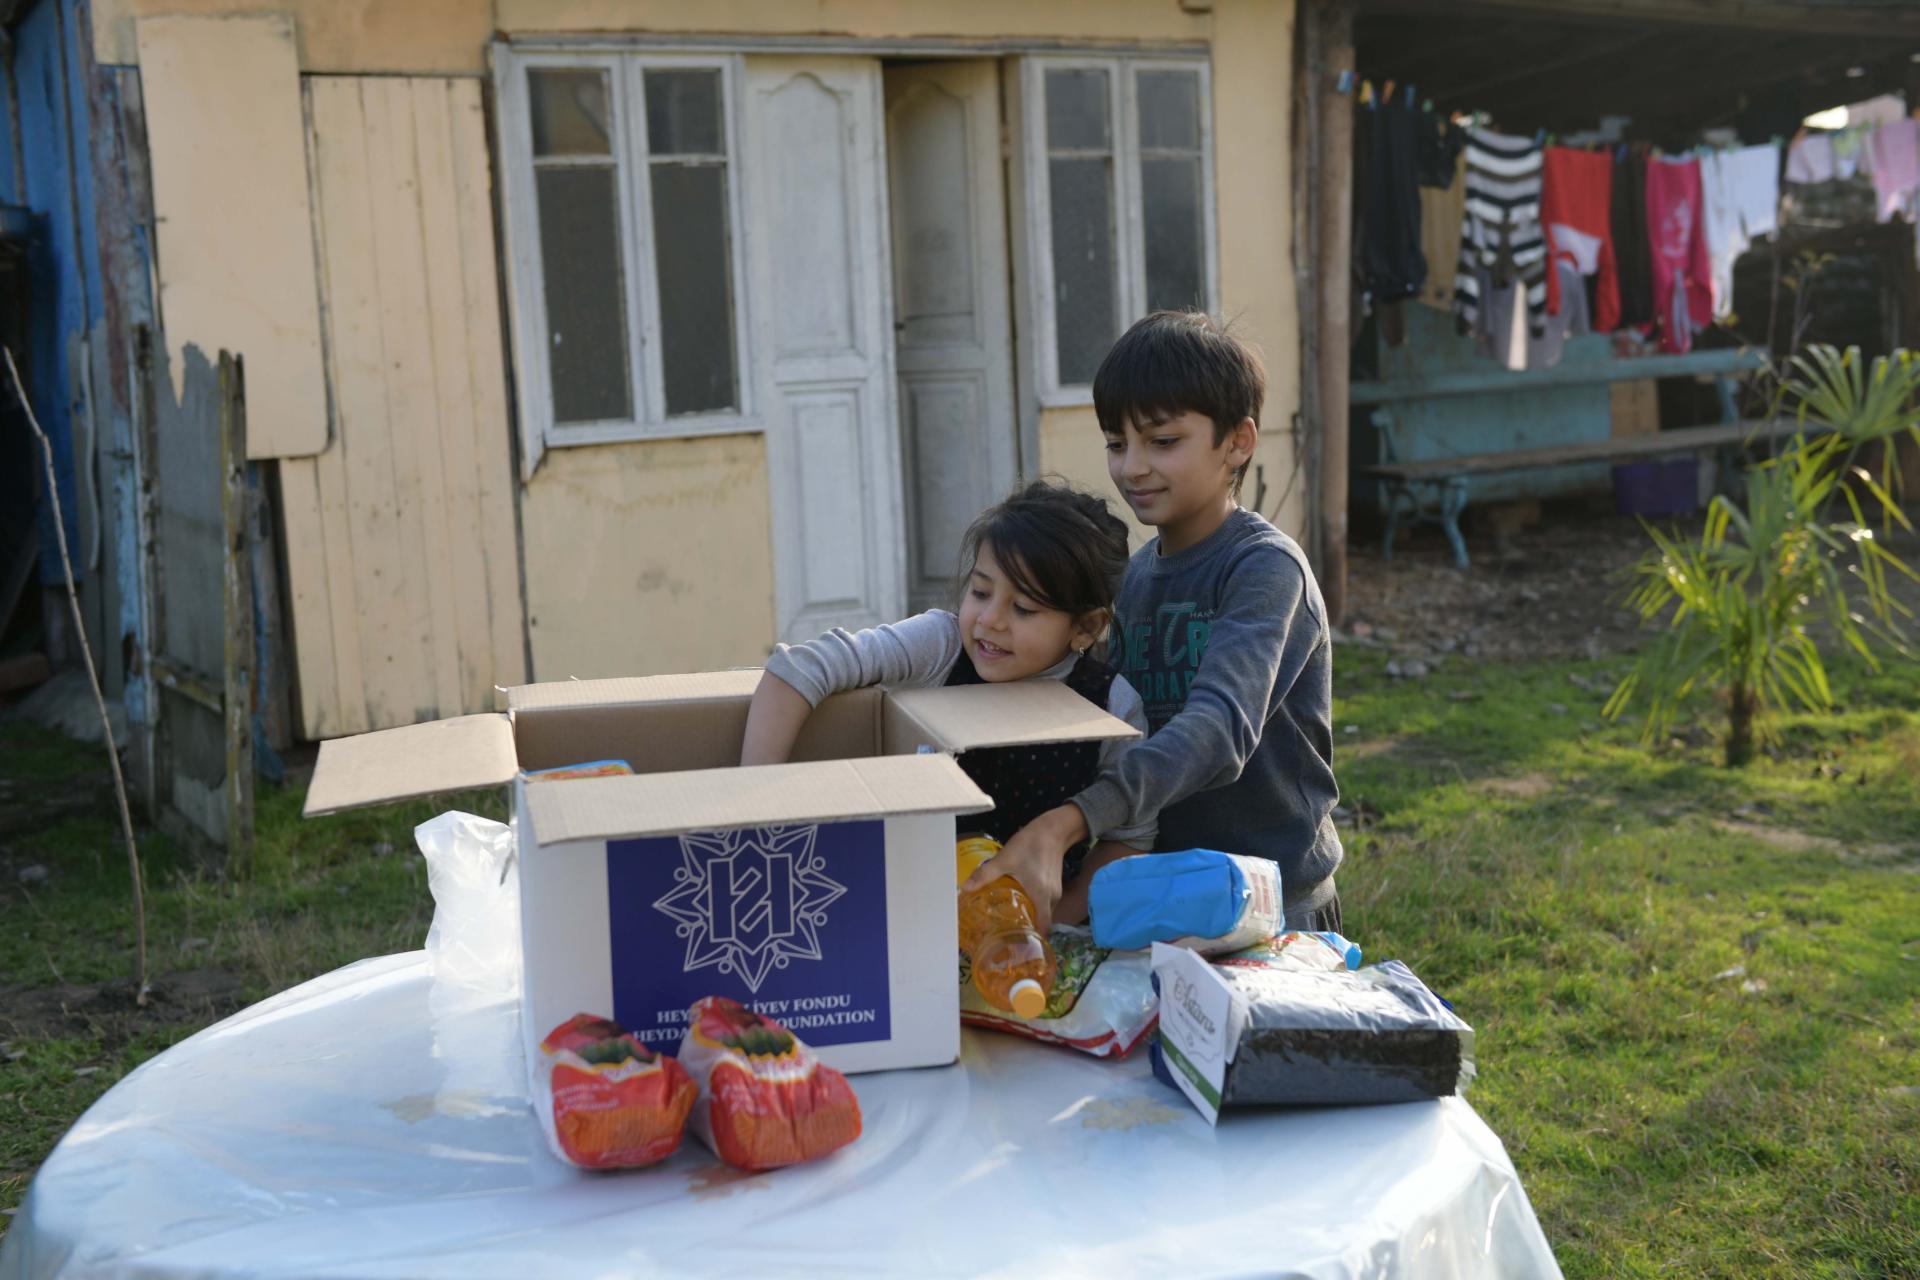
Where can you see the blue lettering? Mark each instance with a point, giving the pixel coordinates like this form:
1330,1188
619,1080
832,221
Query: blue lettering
1197,632
1168,621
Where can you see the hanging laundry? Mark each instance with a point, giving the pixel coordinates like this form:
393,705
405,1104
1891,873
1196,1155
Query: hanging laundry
1525,349
1441,211
1740,195
1682,273
1895,152
1632,251
1576,199
1438,153
1501,231
1810,158
1391,263
1885,109
1850,151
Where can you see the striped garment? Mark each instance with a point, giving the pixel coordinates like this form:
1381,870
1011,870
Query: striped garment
1500,236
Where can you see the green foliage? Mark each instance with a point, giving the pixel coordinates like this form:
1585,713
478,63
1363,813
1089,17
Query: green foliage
1747,607
1860,406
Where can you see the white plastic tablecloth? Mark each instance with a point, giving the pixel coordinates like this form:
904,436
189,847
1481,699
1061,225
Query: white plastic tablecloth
359,1126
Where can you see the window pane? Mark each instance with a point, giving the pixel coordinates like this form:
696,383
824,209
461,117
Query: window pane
1171,210
569,113
683,113
586,301
696,290
1077,110
1080,190
1169,109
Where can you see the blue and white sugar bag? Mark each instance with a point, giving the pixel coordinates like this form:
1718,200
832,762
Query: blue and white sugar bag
1201,899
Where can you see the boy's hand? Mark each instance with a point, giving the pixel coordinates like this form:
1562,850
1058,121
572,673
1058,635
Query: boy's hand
1034,857
1072,907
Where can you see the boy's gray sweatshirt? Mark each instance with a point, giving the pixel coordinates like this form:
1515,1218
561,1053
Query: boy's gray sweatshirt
1227,644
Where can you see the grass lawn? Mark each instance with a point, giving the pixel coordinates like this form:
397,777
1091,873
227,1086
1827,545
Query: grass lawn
1697,992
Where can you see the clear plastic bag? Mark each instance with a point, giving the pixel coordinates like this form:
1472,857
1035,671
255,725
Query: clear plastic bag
473,947
1102,1002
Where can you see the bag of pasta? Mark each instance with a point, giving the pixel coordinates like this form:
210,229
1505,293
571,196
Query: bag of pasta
766,1099
610,1102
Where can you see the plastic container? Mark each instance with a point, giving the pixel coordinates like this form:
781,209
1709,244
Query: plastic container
1659,487
1013,964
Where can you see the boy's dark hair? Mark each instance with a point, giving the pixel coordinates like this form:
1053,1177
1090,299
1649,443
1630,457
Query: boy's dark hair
1176,362
1059,546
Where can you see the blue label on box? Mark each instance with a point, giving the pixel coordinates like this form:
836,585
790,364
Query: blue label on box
791,921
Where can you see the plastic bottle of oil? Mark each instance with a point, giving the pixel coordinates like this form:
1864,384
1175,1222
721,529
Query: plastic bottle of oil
1013,965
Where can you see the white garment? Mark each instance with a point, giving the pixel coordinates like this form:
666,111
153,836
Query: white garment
1810,159
1740,192
1884,109
1571,242
1506,338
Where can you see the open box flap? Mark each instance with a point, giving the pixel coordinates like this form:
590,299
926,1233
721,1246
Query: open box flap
772,795
633,691
1025,713
413,760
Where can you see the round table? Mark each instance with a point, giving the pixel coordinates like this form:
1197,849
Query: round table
369,1123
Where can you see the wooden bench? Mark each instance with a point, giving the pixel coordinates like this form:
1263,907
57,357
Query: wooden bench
1435,490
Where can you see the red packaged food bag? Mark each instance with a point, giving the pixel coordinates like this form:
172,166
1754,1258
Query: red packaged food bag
615,1104
766,1099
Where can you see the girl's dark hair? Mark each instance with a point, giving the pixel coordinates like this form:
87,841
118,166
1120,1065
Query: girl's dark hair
1060,546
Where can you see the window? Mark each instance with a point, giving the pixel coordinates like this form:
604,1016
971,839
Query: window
624,225
1119,210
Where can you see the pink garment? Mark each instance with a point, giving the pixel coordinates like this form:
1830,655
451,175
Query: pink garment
1682,270
1893,151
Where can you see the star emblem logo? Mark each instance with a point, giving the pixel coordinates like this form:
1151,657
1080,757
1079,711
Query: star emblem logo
750,902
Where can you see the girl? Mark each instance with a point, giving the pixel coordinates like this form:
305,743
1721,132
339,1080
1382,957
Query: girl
1042,568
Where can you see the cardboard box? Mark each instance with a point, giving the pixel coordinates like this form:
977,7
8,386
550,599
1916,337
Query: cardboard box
820,891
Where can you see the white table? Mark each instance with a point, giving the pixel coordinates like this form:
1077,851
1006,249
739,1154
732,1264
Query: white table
361,1125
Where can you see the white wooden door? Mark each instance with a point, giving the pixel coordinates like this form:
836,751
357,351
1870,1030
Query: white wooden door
959,434
817,232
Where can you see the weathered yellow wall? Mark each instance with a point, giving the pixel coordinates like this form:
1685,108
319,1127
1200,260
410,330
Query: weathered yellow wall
649,558
1253,175
447,37
657,557
1252,46
1071,448
402,569
450,36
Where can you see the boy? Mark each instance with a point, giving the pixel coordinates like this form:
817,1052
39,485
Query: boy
1220,627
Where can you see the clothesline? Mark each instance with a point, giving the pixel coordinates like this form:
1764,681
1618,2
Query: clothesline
1630,237
1350,81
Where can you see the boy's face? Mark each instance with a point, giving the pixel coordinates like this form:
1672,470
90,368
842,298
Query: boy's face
1172,473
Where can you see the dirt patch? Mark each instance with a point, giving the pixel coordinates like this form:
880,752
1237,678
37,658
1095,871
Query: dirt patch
1793,841
1529,786
108,1009
1554,591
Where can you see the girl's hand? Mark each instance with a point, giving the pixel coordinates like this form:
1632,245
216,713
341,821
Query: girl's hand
1035,857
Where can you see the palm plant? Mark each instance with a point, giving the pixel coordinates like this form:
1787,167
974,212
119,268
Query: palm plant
1856,405
1745,605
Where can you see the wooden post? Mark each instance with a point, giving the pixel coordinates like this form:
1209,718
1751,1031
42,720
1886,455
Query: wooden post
237,583
1333,245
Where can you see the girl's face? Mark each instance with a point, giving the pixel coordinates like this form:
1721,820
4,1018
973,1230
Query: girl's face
1009,635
